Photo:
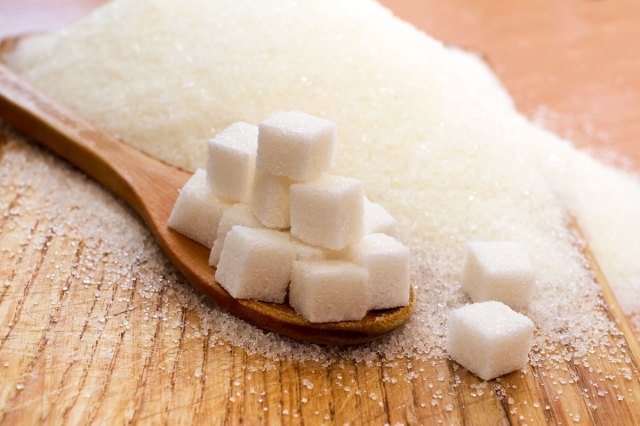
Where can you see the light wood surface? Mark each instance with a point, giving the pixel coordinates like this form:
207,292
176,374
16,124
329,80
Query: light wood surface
119,378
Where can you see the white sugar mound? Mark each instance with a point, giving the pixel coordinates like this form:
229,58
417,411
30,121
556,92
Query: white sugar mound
429,131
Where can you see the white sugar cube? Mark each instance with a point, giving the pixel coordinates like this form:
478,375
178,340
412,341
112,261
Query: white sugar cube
499,271
270,200
327,291
489,338
197,210
307,252
231,161
387,261
378,220
256,264
328,212
296,145
239,214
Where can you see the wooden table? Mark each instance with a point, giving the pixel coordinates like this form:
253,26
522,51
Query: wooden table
574,64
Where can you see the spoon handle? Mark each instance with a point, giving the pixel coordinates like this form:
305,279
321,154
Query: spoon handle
127,172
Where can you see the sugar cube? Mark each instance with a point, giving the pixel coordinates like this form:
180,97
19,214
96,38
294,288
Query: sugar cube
270,200
239,214
498,271
377,219
307,252
329,290
231,161
489,338
328,212
387,261
256,264
296,145
197,210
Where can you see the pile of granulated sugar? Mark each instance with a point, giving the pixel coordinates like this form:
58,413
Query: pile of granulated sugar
428,130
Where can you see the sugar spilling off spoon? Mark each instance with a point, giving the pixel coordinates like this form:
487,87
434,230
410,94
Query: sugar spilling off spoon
433,136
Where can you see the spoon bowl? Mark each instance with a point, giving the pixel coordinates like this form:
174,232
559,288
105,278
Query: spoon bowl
150,187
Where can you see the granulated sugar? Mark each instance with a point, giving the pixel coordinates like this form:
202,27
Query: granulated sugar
428,130
108,229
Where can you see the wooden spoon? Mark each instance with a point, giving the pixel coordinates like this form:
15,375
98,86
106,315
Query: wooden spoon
150,187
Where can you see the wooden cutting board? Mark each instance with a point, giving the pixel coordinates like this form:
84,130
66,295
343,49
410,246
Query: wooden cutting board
65,358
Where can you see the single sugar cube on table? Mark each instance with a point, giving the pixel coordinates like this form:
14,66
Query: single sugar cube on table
197,210
270,199
499,271
296,145
328,291
387,261
231,161
255,264
489,338
328,212
378,220
238,214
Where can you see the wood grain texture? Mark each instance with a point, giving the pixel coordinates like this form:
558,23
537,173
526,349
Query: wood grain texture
75,362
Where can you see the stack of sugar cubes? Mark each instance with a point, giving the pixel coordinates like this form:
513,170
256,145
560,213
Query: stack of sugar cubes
278,224
488,337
